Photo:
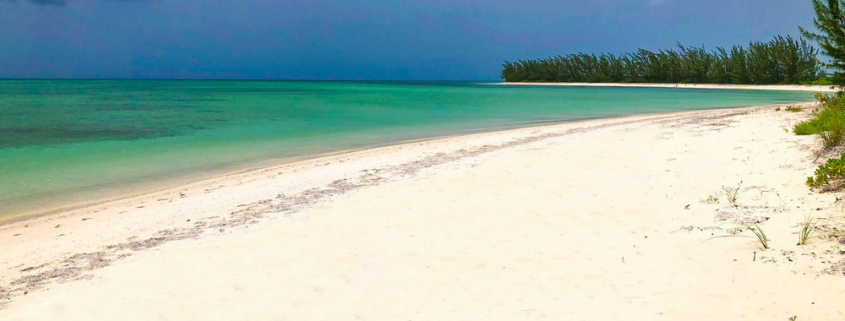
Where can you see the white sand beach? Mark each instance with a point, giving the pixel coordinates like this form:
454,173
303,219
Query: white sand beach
596,220
812,88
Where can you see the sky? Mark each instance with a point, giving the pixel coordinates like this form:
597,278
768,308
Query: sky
358,40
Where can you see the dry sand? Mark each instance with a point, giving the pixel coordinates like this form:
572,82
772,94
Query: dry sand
813,88
577,221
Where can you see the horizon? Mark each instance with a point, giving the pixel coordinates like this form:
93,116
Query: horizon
336,40
259,79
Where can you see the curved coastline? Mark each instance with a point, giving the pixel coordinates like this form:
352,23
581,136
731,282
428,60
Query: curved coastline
97,172
227,173
504,188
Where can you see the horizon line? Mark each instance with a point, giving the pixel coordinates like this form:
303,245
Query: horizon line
251,79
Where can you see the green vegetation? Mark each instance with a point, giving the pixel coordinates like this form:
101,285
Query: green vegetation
793,109
822,81
830,20
828,122
833,137
783,60
761,236
805,128
732,193
833,170
758,233
807,229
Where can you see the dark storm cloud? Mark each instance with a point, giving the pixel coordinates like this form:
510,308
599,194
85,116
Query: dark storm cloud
43,2
52,2
358,39
48,2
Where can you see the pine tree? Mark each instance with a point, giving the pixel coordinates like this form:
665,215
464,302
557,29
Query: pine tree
782,60
830,20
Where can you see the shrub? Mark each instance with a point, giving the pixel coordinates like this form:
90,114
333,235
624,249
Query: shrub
805,128
829,121
822,81
793,109
834,136
834,169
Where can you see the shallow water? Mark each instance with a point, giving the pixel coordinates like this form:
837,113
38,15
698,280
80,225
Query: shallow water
69,142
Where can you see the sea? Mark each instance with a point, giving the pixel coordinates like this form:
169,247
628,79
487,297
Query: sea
67,143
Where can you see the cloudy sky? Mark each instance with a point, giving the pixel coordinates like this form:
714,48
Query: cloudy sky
365,39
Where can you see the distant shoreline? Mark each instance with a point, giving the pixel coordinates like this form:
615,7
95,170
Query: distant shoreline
813,88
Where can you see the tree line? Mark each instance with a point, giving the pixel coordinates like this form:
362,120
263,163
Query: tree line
783,60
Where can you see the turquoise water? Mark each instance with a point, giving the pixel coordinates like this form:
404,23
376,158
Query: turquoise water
68,142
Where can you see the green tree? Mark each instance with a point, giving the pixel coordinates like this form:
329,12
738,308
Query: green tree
830,20
782,60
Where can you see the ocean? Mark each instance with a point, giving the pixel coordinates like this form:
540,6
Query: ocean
66,143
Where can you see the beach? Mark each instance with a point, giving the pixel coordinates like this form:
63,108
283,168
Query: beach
811,88
74,143
609,219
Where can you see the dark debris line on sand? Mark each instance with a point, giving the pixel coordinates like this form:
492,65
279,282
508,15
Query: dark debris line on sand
76,266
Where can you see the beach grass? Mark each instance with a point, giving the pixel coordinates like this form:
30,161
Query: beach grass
760,235
755,229
732,193
807,229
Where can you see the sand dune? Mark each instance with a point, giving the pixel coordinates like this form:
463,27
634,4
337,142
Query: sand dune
596,220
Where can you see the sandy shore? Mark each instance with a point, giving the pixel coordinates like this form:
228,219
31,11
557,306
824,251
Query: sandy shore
813,88
595,220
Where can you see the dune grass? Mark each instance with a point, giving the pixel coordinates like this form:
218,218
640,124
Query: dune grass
761,236
807,229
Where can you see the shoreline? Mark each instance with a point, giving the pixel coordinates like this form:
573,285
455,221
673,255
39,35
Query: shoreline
234,171
336,196
812,88
276,163
280,163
